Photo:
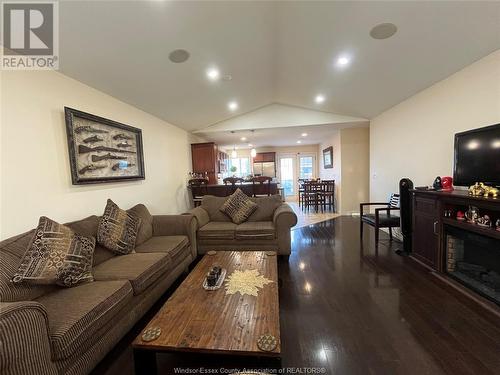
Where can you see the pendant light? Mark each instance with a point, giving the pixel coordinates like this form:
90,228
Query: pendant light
253,152
234,154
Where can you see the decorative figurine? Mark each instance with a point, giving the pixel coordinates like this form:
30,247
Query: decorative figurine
437,183
447,183
498,224
460,216
484,221
472,214
479,188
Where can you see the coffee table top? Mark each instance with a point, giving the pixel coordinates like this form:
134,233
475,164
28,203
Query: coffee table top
197,320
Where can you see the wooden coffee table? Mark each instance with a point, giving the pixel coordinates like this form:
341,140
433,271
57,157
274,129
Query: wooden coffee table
212,322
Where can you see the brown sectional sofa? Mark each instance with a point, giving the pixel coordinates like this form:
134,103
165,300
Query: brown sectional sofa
54,330
268,228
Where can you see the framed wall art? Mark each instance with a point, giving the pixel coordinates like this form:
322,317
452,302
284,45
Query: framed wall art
328,157
102,150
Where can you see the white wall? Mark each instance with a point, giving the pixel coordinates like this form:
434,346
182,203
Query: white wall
350,167
35,171
335,172
415,138
355,149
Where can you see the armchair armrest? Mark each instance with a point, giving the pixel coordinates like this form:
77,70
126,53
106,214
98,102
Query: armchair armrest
201,216
175,225
284,216
388,209
24,339
362,205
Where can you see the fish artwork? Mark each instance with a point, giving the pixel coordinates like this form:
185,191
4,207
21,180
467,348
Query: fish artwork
121,136
122,165
124,145
90,167
93,139
89,129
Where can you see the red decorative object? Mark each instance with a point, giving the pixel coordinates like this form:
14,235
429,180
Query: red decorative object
447,183
460,215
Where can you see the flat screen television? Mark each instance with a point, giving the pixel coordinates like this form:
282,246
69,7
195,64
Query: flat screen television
477,156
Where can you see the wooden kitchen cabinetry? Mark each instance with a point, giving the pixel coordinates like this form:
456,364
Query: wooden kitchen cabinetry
208,159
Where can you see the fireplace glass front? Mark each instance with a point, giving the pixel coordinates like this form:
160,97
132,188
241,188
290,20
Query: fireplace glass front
474,261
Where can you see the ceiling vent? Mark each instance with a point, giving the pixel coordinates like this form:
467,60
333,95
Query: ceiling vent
178,56
383,31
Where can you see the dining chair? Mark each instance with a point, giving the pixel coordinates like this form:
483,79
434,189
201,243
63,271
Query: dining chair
230,183
382,217
327,194
261,186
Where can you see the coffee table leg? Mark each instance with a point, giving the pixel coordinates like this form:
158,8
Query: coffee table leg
145,362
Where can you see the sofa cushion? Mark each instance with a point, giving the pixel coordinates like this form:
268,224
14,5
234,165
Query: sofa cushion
177,247
88,227
56,255
212,205
146,228
265,208
141,269
118,229
217,230
11,251
76,315
261,230
238,207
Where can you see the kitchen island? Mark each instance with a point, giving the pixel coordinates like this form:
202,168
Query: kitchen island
221,190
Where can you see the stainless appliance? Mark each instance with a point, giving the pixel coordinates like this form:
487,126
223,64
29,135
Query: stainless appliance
264,169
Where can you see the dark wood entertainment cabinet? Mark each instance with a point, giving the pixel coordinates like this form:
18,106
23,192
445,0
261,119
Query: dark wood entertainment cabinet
430,226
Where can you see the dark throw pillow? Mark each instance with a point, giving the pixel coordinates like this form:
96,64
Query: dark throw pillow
56,255
118,229
238,207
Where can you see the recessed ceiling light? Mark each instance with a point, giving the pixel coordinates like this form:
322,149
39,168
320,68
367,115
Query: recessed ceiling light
299,141
343,61
243,139
213,74
383,31
178,56
319,98
304,134
233,106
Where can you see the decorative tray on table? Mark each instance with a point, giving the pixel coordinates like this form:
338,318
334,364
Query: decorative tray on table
214,278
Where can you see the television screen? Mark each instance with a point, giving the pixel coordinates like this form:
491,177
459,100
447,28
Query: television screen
477,156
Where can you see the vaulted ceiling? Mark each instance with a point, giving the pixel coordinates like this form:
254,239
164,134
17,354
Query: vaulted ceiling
275,52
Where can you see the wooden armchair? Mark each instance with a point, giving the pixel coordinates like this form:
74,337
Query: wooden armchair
230,183
261,186
382,217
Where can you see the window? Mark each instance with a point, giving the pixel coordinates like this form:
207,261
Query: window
242,167
306,167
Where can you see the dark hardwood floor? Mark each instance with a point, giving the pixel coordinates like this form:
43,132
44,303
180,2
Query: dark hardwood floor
349,309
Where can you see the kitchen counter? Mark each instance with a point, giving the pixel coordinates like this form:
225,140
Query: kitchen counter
221,190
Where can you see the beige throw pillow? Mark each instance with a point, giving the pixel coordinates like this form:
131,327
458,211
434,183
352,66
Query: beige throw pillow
118,229
56,255
238,207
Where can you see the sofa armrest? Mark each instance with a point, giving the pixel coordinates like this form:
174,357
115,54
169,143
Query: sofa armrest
284,216
201,215
24,339
175,225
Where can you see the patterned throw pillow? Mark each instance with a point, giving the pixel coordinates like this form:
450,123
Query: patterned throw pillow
118,229
56,255
238,207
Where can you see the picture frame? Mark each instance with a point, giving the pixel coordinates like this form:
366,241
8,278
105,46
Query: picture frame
328,157
102,150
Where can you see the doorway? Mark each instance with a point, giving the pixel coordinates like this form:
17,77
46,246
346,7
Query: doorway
287,174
